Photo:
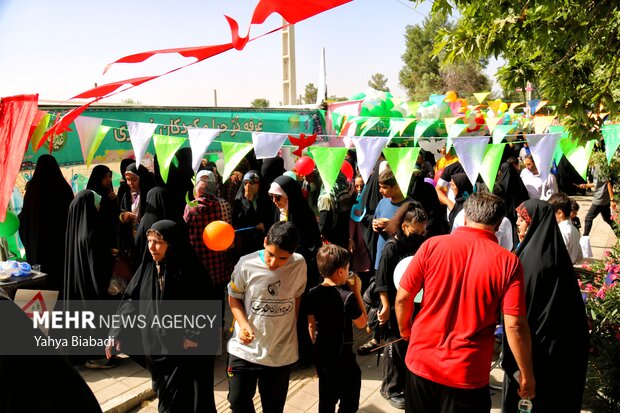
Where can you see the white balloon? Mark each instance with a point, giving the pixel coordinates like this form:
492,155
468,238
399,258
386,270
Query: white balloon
400,269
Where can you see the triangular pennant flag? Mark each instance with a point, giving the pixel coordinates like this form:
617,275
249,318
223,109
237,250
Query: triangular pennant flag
557,155
199,141
421,127
450,121
402,162
470,151
611,136
577,155
36,140
490,164
395,126
433,145
492,123
454,131
494,105
87,128
165,149
481,96
542,148
233,154
540,105
513,105
101,132
533,104
368,125
267,145
328,162
455,107
140,134
500,132
541,123
368,150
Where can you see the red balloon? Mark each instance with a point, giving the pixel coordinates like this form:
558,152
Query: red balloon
218,235
347,170
304,166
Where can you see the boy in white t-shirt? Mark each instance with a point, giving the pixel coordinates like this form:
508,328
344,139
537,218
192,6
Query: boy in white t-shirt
561,204
264,295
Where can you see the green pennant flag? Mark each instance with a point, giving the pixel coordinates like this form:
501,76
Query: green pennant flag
101,132
337,123
165,149
490,164
233,154
577,155
611,136
328,161
500,131
402,162
368,125
421,127
557,155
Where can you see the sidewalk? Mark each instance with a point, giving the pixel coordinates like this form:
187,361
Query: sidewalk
127,388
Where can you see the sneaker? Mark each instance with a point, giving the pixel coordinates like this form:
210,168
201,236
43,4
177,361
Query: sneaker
102,363
365,349
397,401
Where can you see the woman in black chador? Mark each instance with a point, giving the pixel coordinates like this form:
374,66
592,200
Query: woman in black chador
555,313
43,220
170,271
100,181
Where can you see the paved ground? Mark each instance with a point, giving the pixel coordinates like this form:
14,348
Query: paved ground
127,387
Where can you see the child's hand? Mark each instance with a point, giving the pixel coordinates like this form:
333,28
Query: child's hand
246,335
355,283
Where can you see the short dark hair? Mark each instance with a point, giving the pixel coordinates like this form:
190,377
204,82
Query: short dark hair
574,206
513,160
560,202
284,235
330,258
484,208
387,178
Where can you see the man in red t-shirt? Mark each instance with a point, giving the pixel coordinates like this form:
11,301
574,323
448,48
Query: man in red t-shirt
468,279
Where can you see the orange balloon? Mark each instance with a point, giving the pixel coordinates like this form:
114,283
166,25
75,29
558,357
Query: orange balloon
218,235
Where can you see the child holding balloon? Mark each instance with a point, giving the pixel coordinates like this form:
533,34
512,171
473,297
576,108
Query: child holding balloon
407,230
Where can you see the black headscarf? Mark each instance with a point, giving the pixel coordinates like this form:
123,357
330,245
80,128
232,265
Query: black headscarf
158,207
123,188
43,219
88,262
370,200
250,214
568,178
555,313
146,183
424,193
464,189
511,189
108,207
52,396
271,169
300,214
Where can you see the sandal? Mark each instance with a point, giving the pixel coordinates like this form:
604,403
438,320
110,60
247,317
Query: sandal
365,349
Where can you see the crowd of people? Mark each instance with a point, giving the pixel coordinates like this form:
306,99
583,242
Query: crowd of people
309,262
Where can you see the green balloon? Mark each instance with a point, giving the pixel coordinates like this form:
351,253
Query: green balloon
10,225
396,114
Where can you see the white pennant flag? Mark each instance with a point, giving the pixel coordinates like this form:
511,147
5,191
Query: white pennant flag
368,150
542,147
267,145
199,141
87,128
140,133
470,151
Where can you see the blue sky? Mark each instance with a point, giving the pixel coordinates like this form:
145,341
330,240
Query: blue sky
59,48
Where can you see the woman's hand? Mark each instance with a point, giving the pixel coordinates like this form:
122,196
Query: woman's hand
109,347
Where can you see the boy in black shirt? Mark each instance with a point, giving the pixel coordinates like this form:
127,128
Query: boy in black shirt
332,306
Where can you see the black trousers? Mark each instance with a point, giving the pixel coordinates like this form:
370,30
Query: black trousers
340,379
425,396
242,379
394,367
594,210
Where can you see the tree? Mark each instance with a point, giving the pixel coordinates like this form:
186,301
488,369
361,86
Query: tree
310,93
260,103
378,82
423,74
131,101
568,50
334,98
